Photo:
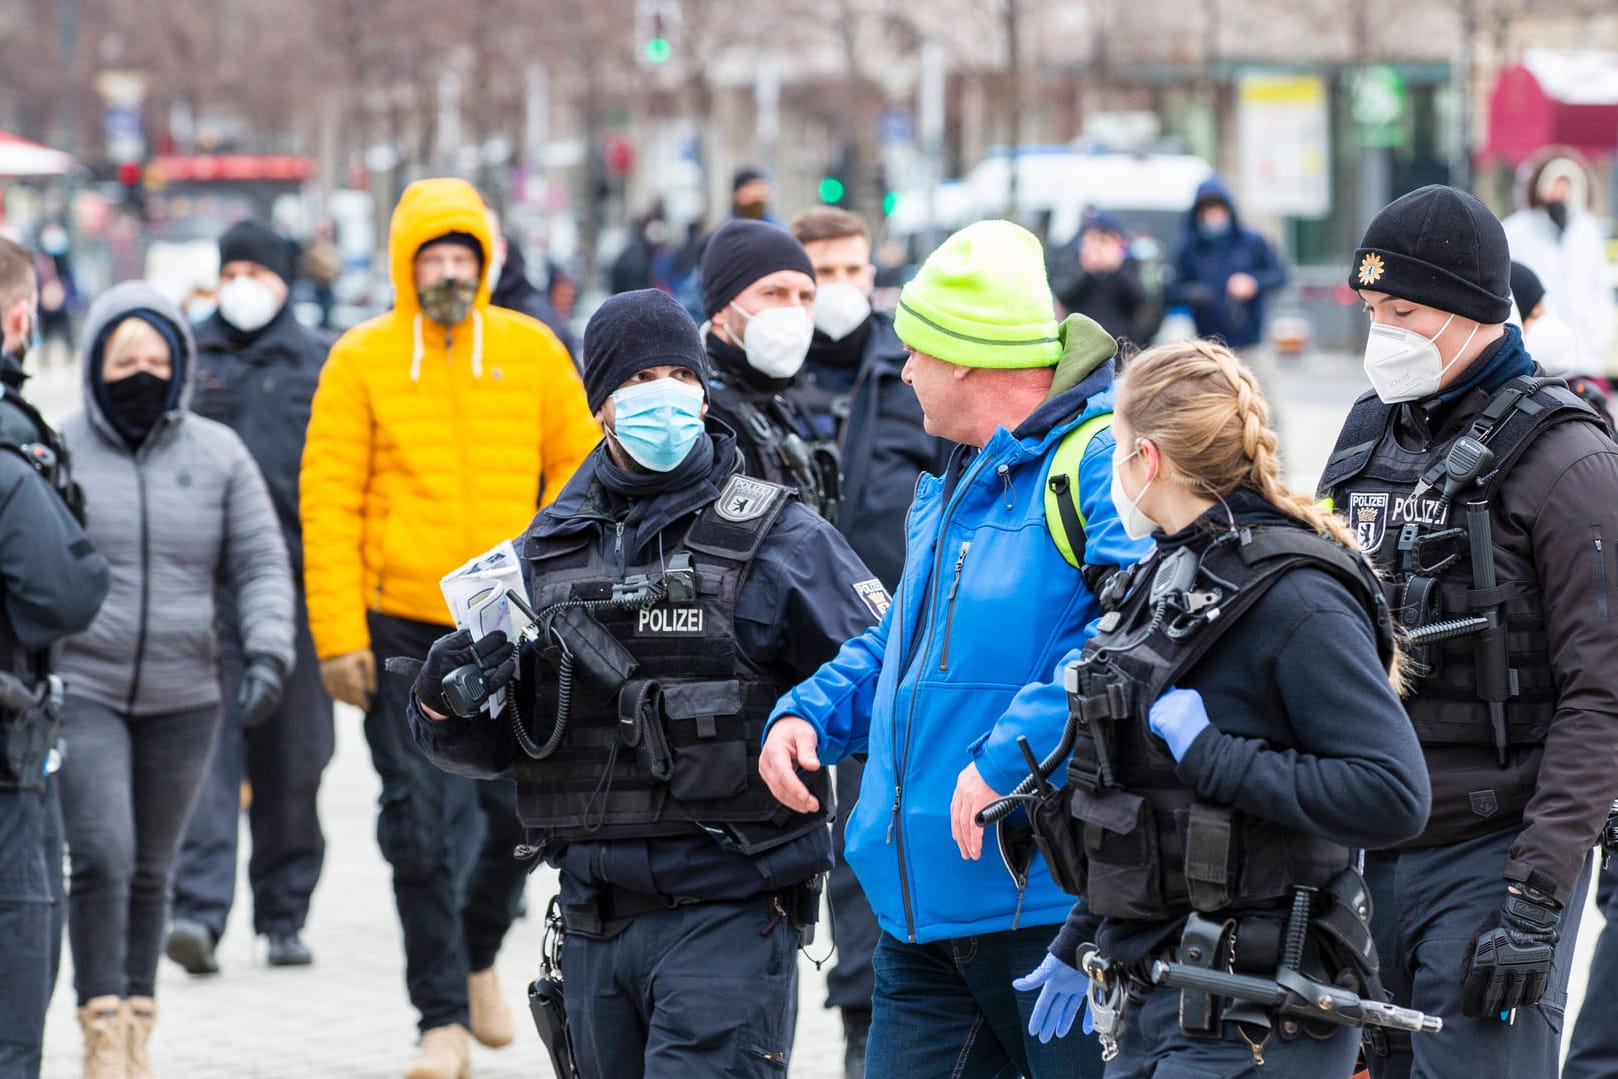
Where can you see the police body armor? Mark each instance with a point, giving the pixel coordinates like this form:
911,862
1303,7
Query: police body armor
1394,500
775,428
30,696
660,734
24,430
1125,833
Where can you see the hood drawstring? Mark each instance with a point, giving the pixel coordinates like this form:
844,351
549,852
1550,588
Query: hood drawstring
416,351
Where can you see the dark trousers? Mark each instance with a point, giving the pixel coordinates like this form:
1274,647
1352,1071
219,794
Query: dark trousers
449,840
850,983
25,930
1152,1046
282,758
127,787
1427,903
1593,1052
703,990
948,1008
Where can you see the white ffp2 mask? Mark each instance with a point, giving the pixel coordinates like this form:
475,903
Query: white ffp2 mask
776,339
1402,365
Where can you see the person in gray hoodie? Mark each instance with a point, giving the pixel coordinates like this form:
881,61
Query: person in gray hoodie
179,508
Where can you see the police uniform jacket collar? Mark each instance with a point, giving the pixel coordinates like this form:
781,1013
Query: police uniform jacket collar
601,492
1499,363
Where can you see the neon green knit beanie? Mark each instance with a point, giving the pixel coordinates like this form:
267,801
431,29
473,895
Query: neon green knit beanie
982,300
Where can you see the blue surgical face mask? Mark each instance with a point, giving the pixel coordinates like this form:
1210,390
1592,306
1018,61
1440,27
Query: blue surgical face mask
658,422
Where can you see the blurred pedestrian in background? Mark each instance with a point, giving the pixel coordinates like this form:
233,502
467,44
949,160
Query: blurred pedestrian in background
1095,276
438,429
179,506
510,288
1555,235
257,368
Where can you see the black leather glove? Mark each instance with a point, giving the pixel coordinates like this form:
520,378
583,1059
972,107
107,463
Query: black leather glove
259,693
493,655
1508,963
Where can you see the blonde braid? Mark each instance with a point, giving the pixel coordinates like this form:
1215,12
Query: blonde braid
1206,412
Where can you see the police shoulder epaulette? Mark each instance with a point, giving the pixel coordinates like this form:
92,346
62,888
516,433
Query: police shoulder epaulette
736,522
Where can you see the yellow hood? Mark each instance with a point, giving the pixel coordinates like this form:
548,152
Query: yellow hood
427,210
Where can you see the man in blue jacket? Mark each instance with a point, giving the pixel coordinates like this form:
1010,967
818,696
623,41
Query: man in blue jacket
963,663
853,386
1224,272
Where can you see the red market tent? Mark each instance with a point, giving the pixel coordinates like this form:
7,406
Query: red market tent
1565,98
19,157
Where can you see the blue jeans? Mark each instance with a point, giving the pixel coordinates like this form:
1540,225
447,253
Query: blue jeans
948,1009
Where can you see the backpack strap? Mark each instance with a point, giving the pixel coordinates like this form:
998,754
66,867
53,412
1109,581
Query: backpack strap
1064,515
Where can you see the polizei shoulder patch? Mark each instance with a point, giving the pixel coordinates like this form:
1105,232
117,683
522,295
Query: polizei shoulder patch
746,499
874,594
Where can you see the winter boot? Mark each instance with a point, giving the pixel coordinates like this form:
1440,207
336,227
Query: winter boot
140,1014
106,1038
446,1053
491,1015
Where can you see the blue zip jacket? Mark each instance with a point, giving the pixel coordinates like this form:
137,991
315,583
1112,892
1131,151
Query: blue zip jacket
968,657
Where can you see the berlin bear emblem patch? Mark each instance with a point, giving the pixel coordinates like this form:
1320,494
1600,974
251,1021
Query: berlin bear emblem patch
745,499
1368,517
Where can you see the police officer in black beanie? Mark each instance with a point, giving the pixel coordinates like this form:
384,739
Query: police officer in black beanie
695,596
758,293
257,367
1465,448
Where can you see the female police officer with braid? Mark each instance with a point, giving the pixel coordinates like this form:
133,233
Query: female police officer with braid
1237,737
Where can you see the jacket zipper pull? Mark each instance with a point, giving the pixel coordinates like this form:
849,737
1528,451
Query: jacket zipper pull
618,542
960,562
893,816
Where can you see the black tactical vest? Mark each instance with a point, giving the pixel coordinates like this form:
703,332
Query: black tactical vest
1124,832
1393,499
770,428
669,743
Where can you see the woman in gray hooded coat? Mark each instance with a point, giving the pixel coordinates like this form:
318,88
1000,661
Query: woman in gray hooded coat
180,509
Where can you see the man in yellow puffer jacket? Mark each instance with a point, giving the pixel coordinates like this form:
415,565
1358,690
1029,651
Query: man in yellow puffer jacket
438,430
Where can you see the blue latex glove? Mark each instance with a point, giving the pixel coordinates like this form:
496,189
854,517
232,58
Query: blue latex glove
1062,992
1178,717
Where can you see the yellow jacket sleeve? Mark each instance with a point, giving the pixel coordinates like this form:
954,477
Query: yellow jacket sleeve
568,430
331,504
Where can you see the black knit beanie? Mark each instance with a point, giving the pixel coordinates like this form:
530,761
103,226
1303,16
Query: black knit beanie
464,239
1440,247
254,241
740,253
1526,289
633,331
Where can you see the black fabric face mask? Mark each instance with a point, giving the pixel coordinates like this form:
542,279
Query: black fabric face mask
136,403
1558,213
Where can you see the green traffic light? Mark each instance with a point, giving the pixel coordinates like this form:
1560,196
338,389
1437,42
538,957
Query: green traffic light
658,50
831,190
889,201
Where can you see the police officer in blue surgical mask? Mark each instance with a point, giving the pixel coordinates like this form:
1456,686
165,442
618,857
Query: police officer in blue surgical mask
677,598
1483,491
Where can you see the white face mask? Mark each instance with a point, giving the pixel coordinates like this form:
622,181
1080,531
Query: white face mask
1553,344
1136,524
1405,366
776,340
247,304
840,309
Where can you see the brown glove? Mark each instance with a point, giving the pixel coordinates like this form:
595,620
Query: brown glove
351,677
